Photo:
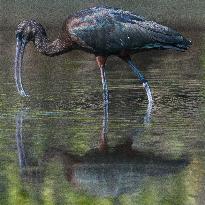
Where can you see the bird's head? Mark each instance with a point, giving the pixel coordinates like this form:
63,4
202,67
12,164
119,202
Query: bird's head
26,31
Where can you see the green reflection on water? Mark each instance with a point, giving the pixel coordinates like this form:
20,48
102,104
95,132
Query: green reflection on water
54,189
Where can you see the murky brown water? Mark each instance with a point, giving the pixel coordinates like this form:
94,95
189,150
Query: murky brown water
51,144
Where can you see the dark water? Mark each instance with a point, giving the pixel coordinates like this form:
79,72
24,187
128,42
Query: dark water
57,147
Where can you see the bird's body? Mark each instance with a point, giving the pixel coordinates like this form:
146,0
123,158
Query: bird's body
106,31
103,31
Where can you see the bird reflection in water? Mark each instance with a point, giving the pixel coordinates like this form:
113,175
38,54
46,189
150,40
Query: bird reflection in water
106,171
19,140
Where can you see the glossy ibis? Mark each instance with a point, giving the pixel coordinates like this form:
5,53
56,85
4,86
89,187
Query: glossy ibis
102,31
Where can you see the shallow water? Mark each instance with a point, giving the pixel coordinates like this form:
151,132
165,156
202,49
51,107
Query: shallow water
57,147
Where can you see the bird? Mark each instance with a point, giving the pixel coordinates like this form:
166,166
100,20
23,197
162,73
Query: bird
102,31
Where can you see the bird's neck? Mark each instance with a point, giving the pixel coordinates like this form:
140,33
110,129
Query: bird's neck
52,48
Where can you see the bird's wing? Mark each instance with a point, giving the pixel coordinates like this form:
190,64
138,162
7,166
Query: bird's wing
137,32
108,30
157,33
149,34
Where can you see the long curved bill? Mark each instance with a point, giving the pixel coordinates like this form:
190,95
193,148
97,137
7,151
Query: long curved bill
20,46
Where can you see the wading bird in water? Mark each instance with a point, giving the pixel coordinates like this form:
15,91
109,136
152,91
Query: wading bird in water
102,31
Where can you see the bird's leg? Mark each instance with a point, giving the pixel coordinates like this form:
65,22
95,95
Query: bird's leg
103,137
101,63
104,84
141,77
